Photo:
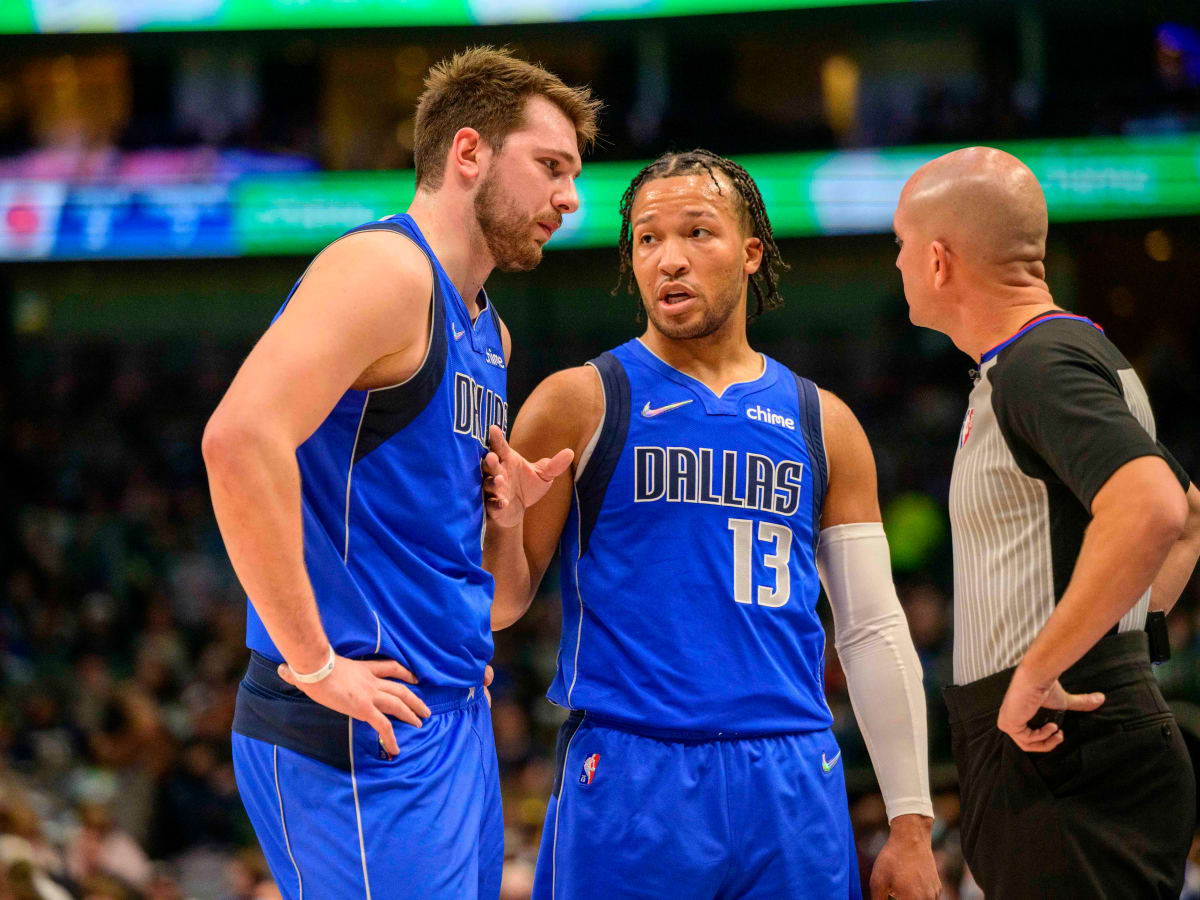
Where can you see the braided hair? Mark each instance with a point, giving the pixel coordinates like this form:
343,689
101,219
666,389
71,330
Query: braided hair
747,202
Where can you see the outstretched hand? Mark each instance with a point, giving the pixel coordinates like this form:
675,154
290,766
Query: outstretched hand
1022,701
511,484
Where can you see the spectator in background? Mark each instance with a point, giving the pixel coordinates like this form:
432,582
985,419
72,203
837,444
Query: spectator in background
25,854
100,853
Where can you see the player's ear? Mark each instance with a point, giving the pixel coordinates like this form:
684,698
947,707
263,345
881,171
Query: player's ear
752,248
939,263
468,155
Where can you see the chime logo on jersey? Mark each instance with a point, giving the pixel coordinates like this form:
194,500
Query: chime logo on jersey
477,408
966,429
589,769
683,475
758,413
492,358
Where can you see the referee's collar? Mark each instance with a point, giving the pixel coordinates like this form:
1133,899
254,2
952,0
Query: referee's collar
1033,323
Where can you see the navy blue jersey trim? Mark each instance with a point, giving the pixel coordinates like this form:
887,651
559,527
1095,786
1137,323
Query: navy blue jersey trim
390,410
566,731
271,710
593,484
499,332
810,427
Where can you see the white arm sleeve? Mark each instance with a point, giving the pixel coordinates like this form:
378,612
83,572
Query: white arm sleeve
880,662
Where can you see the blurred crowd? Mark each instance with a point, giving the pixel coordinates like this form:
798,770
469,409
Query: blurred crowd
121,622
122,638
121,635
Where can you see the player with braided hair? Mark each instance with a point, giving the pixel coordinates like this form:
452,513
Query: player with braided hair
748,201
708,484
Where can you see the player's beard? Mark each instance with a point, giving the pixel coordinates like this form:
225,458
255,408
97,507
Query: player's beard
506,231
714,316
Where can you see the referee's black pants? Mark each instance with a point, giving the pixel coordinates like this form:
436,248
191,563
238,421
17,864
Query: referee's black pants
1109,813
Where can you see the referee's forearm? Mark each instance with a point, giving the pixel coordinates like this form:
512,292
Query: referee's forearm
1181,559
1123,551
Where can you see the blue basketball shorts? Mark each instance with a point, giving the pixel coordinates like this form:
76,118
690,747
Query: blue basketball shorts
425,825
634,816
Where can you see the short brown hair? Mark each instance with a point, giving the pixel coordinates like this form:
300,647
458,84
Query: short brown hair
486,88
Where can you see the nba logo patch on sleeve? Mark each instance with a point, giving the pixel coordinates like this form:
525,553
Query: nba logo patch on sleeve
589,769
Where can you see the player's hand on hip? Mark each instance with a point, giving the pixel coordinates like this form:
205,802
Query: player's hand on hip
364,689
905,867
1025,696
511,483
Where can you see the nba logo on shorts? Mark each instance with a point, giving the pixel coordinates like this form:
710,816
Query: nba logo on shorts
589,769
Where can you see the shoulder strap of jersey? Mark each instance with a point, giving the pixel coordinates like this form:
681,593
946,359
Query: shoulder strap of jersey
593,483
814,440
388,410
381,225
496,327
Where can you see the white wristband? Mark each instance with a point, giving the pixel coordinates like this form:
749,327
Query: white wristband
320,675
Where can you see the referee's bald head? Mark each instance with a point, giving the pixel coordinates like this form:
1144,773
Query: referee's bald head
970,224
983,203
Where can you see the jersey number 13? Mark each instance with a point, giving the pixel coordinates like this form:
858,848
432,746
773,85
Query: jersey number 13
780,539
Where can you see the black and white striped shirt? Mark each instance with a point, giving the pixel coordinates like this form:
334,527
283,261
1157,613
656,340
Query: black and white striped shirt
1055,411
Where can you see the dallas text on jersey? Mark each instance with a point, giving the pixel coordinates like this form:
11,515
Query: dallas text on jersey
477,408
683,475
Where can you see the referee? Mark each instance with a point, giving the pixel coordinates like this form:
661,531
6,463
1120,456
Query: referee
1070,521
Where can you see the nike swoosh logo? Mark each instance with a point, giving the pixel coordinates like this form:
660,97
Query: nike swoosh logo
650,413
454,330
827,766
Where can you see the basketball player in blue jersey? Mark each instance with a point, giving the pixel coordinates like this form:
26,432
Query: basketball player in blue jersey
710,485
344,463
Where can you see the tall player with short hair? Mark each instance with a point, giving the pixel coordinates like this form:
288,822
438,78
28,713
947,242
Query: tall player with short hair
711,483
344,466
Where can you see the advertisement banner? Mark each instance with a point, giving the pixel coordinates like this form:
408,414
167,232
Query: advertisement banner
852,192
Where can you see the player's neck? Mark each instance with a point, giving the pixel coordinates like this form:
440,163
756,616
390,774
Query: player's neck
716,361
452,232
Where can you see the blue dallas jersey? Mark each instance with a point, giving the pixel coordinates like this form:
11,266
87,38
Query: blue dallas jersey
392,501
689,583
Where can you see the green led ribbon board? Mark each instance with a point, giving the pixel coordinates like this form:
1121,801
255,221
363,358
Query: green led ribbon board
805,193
849,192
100,16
